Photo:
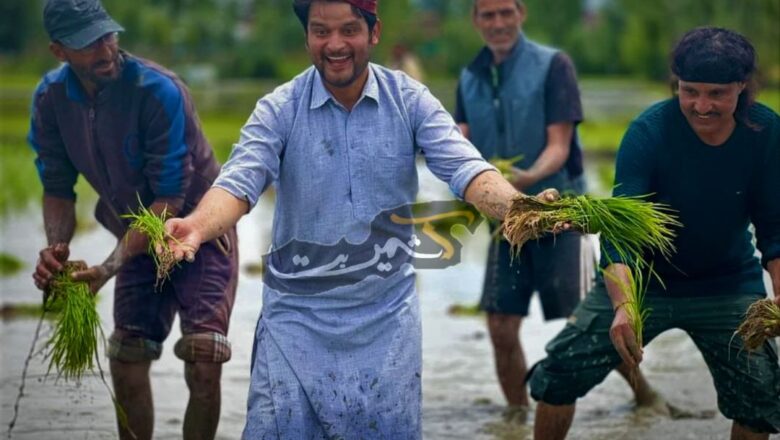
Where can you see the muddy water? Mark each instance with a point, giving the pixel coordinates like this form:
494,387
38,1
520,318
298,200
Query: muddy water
461,396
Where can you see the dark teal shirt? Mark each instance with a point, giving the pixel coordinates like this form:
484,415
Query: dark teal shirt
718,192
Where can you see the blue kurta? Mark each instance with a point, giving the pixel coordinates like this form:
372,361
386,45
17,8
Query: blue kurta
341,359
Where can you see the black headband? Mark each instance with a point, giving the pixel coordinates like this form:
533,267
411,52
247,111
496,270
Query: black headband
712,70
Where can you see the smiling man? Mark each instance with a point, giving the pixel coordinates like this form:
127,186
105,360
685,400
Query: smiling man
713,155
129,127
338,143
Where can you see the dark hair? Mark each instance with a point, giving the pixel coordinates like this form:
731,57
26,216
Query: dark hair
717,55
519,4
301,8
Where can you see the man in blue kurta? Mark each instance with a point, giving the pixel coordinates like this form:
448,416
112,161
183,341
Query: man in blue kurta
338,142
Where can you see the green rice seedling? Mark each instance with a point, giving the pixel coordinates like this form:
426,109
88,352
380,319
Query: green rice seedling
634,304
153,226
9,264
73,344
504,166
464,310
762,321
632,225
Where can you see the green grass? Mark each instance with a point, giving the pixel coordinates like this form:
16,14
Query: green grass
602,136
770,98
223,131
605,172
9,264
19,81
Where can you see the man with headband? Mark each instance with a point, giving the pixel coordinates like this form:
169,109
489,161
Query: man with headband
713,155
336,359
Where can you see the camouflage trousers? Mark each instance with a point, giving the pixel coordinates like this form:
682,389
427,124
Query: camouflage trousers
582,354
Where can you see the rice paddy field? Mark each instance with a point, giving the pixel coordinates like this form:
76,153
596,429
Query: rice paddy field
461,396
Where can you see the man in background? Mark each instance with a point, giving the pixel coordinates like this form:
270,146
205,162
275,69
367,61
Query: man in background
518,98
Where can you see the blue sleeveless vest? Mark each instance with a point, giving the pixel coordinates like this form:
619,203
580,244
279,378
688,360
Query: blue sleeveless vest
506,115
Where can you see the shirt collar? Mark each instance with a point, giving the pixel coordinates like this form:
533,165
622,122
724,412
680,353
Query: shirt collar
73,88
75,91
320,95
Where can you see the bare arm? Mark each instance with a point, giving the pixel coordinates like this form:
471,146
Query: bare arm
216,213
59,221
491,194
132,244
551,160
623,338
464,128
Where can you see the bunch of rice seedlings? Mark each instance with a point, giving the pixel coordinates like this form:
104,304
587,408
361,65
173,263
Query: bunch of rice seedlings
504,166
634,304
153,226
73,344
632,225
762,321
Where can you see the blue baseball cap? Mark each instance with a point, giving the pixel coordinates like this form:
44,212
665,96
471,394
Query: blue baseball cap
77,23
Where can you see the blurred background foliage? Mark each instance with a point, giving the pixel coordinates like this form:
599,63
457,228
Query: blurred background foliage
262,38
232,52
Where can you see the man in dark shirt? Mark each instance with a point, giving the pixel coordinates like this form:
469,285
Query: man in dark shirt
130,128
520,98
713,155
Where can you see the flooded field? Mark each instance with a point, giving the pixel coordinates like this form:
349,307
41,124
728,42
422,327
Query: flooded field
461,396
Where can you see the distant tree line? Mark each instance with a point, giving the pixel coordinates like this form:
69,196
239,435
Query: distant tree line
262,38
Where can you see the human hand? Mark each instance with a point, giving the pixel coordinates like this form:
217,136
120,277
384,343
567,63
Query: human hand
184,239
95,276
50,261
521,178
549,195
774,273
624,338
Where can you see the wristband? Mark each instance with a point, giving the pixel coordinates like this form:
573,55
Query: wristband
620,305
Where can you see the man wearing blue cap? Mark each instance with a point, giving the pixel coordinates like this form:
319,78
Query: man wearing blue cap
130,128
712,154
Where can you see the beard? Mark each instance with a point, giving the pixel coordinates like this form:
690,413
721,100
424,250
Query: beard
343,78
93,75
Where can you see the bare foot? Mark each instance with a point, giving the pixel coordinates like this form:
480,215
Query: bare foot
653,404
658,406
516,414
